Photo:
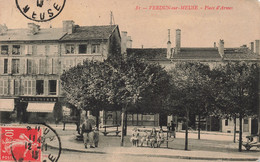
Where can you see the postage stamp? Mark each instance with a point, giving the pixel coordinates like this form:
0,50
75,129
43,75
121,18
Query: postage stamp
40,10
29,143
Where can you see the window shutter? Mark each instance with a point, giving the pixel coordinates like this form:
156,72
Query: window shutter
11,87
22,87
6,87
1,87
46,87
9,66
63,49
25,89
34,49
33,87
22,47
1,65
21,66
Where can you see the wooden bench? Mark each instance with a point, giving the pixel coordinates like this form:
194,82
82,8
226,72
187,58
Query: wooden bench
105,132
69,120
166,140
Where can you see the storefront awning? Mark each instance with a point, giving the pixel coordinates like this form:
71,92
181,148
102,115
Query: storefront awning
40,107
6,105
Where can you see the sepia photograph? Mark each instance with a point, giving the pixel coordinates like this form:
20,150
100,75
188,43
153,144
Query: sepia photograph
129,80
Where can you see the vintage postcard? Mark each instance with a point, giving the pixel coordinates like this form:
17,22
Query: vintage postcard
129,80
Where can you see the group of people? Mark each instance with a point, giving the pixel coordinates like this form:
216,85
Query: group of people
152,138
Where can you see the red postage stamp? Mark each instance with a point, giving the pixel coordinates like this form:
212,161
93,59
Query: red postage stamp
20,144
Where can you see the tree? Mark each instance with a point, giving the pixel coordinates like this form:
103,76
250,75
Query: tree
83,86
237,93
126,84
137,86
190,86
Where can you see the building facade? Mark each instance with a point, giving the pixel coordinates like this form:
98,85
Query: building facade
32,60
213,56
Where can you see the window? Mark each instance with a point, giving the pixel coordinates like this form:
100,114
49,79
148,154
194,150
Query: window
226,122
245,121
95,48
5,66
82,49
16,87
3,87
16,50
28,50
70,49
15,66
4,49
41,66
29,66
29,87
52,87
39,87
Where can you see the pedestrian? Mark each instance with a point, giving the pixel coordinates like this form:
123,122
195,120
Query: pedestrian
152,138
86,132
173,130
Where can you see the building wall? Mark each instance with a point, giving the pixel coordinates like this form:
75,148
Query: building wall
228,125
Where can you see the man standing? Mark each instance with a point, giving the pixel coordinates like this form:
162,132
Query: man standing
86,132
173,131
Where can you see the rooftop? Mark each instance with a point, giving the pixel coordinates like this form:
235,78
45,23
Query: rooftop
91,32
80,33
22,35
208,54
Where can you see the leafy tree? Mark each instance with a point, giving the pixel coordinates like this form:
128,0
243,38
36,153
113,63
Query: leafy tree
126,84
237,93
190,91
137,86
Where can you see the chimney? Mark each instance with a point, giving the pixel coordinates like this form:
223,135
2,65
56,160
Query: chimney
3,29
169,44
257,47
68,26
178,41
252,46
221,47
215,45
123,42
129,42
33,28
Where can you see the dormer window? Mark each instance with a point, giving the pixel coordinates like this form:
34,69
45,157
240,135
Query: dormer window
16,50
82,49
70,48
95,48
4,49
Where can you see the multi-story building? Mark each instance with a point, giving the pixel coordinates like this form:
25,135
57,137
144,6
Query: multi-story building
212,56
32,60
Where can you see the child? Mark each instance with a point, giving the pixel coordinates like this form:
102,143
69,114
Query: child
152,138
134,139
145,138
160,138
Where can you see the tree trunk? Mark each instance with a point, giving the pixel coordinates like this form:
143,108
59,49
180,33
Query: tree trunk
122,125
235,128
240,134
78,121
97,119
199,128
125,126
186,131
